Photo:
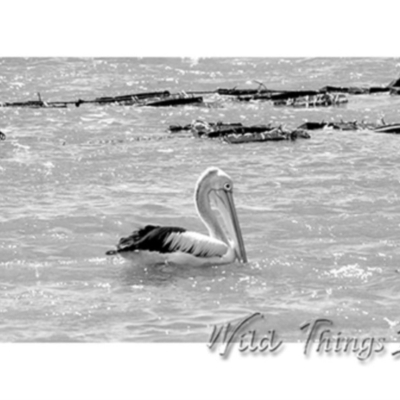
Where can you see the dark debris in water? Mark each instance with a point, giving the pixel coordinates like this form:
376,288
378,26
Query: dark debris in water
326,96
263,93
149,99
239,133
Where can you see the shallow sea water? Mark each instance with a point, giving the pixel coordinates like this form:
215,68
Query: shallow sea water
320,217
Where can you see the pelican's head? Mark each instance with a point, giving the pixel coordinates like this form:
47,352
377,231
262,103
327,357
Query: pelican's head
215,186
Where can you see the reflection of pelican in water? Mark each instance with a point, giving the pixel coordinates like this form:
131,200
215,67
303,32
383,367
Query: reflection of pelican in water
174,245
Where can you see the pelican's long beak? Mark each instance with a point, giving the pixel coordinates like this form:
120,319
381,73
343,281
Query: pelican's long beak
231,220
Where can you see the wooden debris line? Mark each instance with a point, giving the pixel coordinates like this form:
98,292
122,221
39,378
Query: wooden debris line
274,95
263,93
318,100
276,134
149,99
381,127
326,96
239,133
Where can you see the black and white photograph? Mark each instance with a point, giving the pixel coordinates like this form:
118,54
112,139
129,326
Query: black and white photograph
239,203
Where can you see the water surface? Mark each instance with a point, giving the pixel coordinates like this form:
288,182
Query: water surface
320,217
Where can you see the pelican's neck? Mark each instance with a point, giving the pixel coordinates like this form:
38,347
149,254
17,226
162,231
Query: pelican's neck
207,214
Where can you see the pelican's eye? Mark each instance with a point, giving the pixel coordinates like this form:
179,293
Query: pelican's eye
228,186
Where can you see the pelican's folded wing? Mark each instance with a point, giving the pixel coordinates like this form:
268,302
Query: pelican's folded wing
150,238
169,239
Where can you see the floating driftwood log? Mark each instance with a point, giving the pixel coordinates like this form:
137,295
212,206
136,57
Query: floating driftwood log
381,127
149,99
391,128
298,98
276,134
128,99
239,133
35,104
178,101
200,127
355,89
263,93
316,100
132,98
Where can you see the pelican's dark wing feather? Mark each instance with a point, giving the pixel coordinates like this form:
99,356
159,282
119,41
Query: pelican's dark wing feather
170,239
150,238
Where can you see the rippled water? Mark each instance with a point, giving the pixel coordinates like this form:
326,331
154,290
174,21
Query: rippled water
320,217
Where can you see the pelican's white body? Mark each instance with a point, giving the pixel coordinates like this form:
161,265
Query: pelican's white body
218,252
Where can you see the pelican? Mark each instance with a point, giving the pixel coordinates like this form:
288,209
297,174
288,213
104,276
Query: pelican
177,246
